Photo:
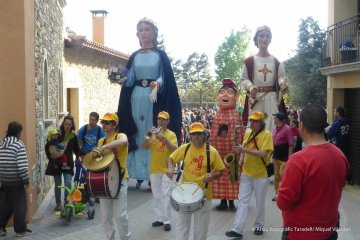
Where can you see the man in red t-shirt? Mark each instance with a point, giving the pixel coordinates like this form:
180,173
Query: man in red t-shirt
314,177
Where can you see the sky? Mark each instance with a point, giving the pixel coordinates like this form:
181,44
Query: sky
200,26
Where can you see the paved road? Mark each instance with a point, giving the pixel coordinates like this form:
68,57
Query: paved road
48,226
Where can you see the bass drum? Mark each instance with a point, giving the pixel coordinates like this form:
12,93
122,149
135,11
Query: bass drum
187,197
105,183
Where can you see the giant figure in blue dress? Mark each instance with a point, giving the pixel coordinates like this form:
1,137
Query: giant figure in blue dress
149,89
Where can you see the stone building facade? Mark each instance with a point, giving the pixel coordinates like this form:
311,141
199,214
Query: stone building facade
49,37
37,88
85,78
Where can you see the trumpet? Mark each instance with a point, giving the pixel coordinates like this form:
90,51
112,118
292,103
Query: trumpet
154,131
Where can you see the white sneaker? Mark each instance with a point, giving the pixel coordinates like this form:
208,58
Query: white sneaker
22,234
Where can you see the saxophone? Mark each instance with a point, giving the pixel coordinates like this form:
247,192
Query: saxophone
231,160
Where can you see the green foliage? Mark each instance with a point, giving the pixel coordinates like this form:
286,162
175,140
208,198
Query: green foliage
230,55
161,44
306,83
193,77
194,80
197,74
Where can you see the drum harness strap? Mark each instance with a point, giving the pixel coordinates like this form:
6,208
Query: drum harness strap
253,138
207,157
116,157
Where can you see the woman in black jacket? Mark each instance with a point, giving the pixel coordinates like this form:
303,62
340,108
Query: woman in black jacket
71,146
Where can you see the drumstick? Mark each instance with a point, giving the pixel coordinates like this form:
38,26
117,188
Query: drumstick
178,185
196,190
200,185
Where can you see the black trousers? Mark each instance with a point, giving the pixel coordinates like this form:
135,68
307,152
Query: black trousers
14,202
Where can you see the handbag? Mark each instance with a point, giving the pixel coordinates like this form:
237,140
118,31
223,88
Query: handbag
270,169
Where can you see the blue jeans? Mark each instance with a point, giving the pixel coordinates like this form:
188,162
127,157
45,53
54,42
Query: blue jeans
58,182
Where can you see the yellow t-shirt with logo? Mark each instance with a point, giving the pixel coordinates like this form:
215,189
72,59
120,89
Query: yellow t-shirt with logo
195,164
120,152
159,153
253,165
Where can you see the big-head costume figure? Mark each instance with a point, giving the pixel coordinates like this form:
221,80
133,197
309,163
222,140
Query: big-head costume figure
227,130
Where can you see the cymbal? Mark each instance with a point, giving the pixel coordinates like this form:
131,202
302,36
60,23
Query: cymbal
98,163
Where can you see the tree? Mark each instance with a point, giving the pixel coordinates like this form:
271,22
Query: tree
230,55
196,75
161,43
306,83
178,70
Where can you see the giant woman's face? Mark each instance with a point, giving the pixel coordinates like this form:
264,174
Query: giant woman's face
145,34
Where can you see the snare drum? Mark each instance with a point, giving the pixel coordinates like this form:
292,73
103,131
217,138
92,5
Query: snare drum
105,183
187,197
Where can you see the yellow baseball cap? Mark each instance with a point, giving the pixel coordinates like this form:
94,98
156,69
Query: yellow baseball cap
52,131
197,127
257,116
110,117
164,115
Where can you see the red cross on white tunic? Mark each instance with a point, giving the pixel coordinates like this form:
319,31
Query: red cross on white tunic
265,71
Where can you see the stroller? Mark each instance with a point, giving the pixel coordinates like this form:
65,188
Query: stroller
80,179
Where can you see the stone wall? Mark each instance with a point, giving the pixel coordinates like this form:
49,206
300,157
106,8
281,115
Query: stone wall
96,92
48,49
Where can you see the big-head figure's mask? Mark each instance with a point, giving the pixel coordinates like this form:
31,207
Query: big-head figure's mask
228,94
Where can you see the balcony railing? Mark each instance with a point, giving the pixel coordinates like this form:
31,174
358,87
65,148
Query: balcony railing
342,42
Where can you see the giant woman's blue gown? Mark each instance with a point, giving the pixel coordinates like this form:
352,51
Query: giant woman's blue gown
146,65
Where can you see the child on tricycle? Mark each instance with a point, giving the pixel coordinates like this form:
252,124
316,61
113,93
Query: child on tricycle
78,196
